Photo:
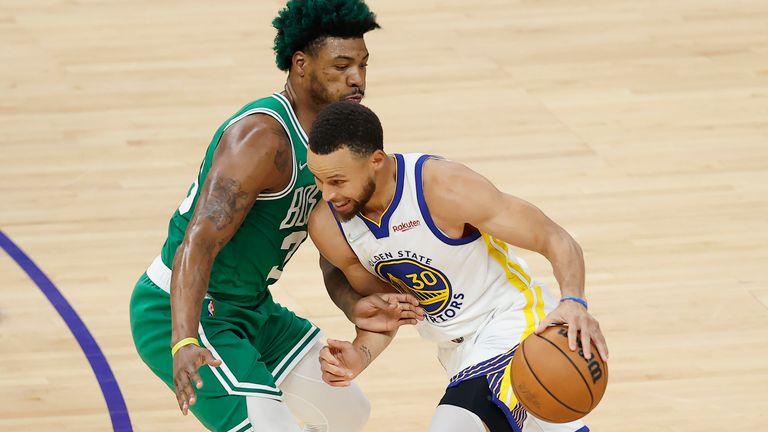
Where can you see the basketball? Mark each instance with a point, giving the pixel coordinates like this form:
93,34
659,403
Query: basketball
554,383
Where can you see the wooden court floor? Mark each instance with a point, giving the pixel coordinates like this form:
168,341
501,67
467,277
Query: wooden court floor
640,126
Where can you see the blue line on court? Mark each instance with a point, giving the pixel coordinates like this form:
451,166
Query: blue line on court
114,398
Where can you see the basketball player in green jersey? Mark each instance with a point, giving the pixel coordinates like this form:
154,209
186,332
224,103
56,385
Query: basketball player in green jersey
212,318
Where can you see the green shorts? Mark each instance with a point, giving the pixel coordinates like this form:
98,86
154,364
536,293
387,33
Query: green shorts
258,348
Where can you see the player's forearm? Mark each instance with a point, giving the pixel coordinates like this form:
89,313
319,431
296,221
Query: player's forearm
189,283
371,344
339,289
567,260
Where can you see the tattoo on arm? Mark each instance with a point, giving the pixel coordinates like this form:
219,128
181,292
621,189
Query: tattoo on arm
283,157
367,354
225,199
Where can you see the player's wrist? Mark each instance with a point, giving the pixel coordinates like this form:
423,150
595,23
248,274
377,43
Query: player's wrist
179,336
575,299
182,343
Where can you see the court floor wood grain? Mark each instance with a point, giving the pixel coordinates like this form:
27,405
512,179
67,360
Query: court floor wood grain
641,127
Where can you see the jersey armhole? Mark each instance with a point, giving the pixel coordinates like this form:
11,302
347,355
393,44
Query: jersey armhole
424,209
294,174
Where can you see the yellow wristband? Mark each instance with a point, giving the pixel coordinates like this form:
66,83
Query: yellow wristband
182,343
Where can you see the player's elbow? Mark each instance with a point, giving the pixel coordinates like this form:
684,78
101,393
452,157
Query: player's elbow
204,239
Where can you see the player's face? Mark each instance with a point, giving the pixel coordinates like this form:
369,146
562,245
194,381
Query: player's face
337,71
345,179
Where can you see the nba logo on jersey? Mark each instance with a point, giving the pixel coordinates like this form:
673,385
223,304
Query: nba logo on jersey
211,309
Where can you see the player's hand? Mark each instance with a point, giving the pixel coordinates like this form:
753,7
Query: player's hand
580,324
186,362
341,362
386,312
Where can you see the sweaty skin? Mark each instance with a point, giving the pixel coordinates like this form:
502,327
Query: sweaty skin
252,157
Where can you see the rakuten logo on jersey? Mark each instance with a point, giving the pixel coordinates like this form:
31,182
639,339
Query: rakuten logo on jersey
405,226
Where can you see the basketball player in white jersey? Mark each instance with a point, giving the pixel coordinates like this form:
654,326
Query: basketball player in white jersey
440,231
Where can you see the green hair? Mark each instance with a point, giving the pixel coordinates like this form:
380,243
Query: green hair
302,24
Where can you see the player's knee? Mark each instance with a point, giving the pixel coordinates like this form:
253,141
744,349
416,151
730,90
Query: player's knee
329,409
323,408
346,419
449,418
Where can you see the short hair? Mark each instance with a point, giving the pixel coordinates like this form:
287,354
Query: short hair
303,25
346,124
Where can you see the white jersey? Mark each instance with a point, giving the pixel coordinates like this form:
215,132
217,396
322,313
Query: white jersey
460,283
480,300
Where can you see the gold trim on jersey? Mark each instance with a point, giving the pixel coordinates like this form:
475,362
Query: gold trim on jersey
381,216
533,310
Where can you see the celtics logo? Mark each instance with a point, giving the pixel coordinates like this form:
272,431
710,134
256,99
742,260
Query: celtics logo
429,285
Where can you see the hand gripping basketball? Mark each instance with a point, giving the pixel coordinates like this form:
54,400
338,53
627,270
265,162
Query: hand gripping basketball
580,323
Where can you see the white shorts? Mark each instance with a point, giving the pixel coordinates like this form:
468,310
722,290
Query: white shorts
502,331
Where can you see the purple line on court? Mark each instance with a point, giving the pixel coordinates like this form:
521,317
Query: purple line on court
118,412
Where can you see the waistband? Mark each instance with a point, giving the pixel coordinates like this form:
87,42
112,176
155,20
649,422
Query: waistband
160,275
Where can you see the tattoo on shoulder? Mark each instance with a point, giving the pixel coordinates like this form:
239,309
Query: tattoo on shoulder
366,354
225,199
283,157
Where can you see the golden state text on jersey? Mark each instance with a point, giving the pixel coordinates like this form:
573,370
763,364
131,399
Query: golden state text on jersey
459,282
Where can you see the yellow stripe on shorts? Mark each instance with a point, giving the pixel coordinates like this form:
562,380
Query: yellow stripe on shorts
517,277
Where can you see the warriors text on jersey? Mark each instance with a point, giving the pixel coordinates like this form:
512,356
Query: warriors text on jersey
271,232
458,282
479,299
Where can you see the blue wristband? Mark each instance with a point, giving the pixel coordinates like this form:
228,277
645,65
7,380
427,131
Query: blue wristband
578,300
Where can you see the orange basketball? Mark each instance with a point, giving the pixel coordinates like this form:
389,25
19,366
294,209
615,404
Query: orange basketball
554,383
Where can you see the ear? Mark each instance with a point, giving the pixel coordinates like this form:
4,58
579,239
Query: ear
299,63
377,159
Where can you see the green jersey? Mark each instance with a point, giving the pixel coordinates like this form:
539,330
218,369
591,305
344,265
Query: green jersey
273,229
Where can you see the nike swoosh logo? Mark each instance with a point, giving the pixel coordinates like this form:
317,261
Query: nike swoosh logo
303,165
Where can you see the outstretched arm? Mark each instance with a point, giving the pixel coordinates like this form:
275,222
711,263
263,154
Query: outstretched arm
253,156
457,196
